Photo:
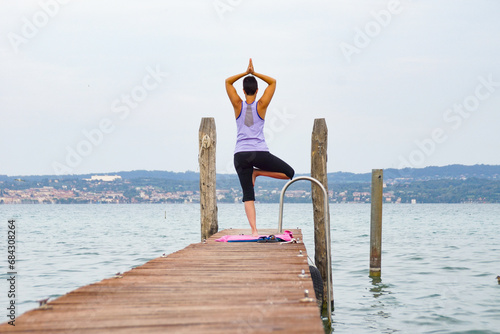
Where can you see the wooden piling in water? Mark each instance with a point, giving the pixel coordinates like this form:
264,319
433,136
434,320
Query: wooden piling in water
319,145
376,222
208,200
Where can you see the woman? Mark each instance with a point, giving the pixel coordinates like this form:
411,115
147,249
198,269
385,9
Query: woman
251,156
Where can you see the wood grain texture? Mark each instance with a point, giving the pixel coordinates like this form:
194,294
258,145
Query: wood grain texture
207,287
207,143
376,222
319,158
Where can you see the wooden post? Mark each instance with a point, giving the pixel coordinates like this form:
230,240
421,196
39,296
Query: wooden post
206,159
319,144
376,223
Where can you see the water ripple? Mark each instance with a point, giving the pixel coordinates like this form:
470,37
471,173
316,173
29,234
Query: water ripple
437,260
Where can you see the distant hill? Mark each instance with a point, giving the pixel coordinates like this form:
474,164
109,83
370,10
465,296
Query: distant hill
136,174
451,172
491,172
157,174
448,184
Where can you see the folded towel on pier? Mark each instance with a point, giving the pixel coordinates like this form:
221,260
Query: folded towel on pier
286,236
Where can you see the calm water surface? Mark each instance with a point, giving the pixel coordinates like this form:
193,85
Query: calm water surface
439,262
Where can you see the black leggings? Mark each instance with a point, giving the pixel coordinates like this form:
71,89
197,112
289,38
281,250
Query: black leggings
245,162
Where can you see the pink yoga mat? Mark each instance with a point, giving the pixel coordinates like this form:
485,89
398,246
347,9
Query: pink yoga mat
287,236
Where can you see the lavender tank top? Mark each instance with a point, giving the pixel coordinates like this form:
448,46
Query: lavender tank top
250,130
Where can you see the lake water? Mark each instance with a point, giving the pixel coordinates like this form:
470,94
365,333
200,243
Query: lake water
439,261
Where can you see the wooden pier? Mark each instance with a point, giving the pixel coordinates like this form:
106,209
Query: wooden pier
208,287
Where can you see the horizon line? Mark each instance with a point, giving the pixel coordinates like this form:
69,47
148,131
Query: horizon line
197,172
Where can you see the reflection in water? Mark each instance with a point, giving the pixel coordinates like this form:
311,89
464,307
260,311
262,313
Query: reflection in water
426,287
379,288
379,292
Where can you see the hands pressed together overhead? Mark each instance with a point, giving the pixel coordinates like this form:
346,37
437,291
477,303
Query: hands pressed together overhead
250,67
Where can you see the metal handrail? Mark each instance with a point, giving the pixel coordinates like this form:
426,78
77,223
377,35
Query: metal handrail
327,235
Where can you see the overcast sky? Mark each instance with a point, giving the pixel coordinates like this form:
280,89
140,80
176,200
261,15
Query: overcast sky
91,86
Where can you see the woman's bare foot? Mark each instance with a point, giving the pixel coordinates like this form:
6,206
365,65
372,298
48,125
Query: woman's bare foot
255,234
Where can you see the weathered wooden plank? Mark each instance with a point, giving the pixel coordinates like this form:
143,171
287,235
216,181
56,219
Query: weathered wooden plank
205,288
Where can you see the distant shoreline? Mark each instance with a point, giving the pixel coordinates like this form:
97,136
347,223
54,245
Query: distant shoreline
450,184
